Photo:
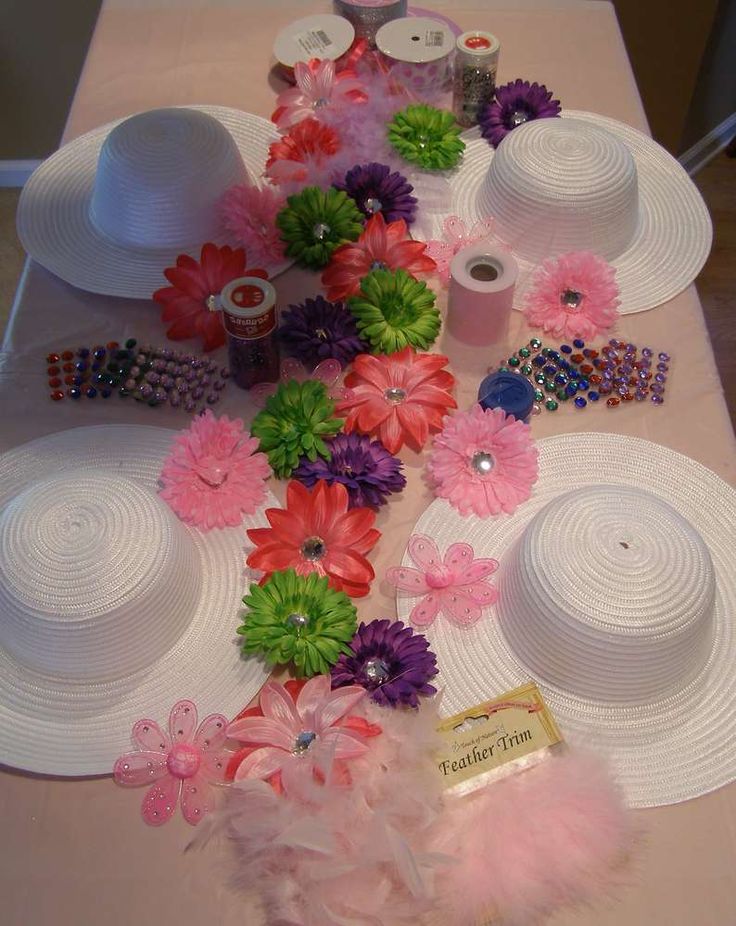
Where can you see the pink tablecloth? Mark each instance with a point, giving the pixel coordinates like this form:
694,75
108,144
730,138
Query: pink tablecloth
76,851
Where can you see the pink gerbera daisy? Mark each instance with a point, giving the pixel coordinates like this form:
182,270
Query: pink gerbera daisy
249,213
380,247
455,235
398,398
573,296
320,93
483,462
214,475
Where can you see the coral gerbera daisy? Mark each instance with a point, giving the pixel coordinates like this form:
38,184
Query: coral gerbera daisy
376,188
304,154
249,213
294,423
391,661
398,398
315,532
191,303
366,469
426,136
315,222
318,330
483,462
573,296
394,310
514,104
320,93
298,619
214,475
379,247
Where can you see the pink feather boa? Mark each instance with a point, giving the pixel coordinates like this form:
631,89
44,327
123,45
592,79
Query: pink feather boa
391,850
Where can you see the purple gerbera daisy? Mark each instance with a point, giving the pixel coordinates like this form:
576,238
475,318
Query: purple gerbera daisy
514,104
391,661
317,330
374,188
367,470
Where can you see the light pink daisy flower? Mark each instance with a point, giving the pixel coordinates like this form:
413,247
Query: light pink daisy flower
179,764
249,213
483,462
300,739
573,296
454,584
455,237
214,475
320,93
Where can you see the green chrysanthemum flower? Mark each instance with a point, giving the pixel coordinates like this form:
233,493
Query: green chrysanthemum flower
298,619
293,424
426,136
315,222
394,310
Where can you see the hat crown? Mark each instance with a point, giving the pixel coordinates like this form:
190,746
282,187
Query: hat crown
98,579
159,177
609,595
561,185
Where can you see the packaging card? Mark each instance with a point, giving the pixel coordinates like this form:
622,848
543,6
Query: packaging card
480,742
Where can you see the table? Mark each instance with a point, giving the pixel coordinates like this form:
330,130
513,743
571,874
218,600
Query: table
76,850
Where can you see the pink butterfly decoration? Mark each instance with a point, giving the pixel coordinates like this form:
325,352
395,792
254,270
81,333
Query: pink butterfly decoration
455,236
182,763
326,372
454,584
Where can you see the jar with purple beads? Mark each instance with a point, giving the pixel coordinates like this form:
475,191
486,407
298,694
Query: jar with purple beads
249,317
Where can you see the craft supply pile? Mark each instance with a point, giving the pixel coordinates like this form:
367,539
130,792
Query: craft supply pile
562,605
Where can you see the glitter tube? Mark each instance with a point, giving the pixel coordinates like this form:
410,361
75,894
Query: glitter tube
476,63
249,318
367,16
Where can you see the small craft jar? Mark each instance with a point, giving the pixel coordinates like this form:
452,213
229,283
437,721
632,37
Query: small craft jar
476,63
249,318
509,391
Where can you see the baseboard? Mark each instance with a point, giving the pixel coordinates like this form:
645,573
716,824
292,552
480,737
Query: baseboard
695,158
15,173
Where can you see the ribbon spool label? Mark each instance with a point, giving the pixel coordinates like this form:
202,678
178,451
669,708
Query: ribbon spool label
494,738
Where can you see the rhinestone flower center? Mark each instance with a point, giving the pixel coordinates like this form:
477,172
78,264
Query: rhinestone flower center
321,334
303,741
183,761
212,472
378,265
297,620
313,548
395,395
482,462
319,103
321,230
571,299
377,671
213,302
373,205
518,117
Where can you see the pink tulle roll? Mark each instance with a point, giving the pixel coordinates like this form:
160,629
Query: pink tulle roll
482,281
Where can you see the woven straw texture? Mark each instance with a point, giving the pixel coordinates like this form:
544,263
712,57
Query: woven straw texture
112,609
650,223
618,599
117,237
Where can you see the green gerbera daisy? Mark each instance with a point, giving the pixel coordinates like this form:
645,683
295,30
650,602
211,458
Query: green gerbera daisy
315,222
293,424
394,310
426,136
298,619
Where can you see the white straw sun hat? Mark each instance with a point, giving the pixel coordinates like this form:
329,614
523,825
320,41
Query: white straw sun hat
112,209
584,182
618,599
111,609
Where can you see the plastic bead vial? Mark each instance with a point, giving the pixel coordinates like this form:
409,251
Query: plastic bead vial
474,82
249,318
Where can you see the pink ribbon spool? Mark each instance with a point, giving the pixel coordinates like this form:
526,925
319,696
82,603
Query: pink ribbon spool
482,281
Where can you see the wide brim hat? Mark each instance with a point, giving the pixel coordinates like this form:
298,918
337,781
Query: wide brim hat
626,624
66,707
660,249
55,216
